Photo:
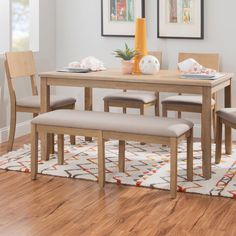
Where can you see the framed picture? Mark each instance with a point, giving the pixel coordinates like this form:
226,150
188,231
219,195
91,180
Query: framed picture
182,19
118,17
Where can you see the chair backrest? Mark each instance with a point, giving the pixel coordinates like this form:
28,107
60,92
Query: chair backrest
18,65
209,60
156,54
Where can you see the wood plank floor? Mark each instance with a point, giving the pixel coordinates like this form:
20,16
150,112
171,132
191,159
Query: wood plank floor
58,206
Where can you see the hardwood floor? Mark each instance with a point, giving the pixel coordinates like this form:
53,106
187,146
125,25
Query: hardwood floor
59,206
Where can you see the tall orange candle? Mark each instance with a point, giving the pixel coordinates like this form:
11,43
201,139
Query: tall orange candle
140,42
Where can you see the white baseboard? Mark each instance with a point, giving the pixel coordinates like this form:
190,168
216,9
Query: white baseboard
21,129
24,128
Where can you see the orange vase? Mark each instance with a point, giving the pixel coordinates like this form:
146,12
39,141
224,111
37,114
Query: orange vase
140,43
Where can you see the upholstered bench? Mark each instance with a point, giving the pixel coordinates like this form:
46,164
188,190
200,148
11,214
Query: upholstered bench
105,126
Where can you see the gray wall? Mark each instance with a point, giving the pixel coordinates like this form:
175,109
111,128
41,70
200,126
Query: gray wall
45,60
78,35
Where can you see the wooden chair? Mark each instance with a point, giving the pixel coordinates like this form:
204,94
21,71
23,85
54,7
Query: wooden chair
226,116
132,99
186,103
21,65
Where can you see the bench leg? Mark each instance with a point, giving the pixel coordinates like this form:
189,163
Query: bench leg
101,161
173,166
190,156
34,152
60,149
218,140
121,156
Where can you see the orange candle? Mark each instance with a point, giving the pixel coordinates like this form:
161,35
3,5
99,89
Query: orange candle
140,42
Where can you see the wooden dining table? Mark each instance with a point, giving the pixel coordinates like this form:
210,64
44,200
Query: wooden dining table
168,81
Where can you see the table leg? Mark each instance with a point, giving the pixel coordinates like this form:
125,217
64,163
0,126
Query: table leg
228,130
45,107
206,132
88,104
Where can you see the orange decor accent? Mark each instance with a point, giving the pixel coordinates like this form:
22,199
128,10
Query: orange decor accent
140,43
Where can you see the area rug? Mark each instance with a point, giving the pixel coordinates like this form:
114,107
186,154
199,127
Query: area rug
146,166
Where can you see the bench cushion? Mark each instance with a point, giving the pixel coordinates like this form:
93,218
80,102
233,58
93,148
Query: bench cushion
228,114
56,101
188,100
166,127
144,97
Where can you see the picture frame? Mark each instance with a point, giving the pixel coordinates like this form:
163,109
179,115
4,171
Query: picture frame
180,19
118,17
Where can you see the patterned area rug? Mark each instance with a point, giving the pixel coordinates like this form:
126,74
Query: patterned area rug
146,165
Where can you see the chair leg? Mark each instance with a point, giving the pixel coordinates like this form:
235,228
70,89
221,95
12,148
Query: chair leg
72,137
142,114
218,140
121,156
72,140
202,145
60,149
157,104
164,110
101,161
52,143
157,109
228,140
12,130
214,123
34,152
124,110
173,167
106,106
179,115
190,156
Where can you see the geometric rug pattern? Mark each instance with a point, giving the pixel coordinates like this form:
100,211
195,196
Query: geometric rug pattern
145,166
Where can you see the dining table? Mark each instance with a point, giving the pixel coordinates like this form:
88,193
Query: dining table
166,81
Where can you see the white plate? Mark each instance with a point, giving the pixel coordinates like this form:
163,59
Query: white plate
202,76
75,70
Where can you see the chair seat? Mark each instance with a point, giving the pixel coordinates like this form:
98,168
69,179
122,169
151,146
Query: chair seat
144,97
228,114
186,100
55,101
165,127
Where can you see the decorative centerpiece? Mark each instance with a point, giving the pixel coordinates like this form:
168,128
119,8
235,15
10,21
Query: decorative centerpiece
127,59
140,43
149,65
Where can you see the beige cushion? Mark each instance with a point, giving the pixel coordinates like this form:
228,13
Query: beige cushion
183,99
228,114
55,101
166,127
144,97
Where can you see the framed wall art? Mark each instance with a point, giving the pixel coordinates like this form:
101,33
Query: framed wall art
182,19
118,17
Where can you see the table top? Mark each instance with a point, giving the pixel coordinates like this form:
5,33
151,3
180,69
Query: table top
163,77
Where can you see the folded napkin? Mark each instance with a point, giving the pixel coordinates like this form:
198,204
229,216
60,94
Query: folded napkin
192,66
91,63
